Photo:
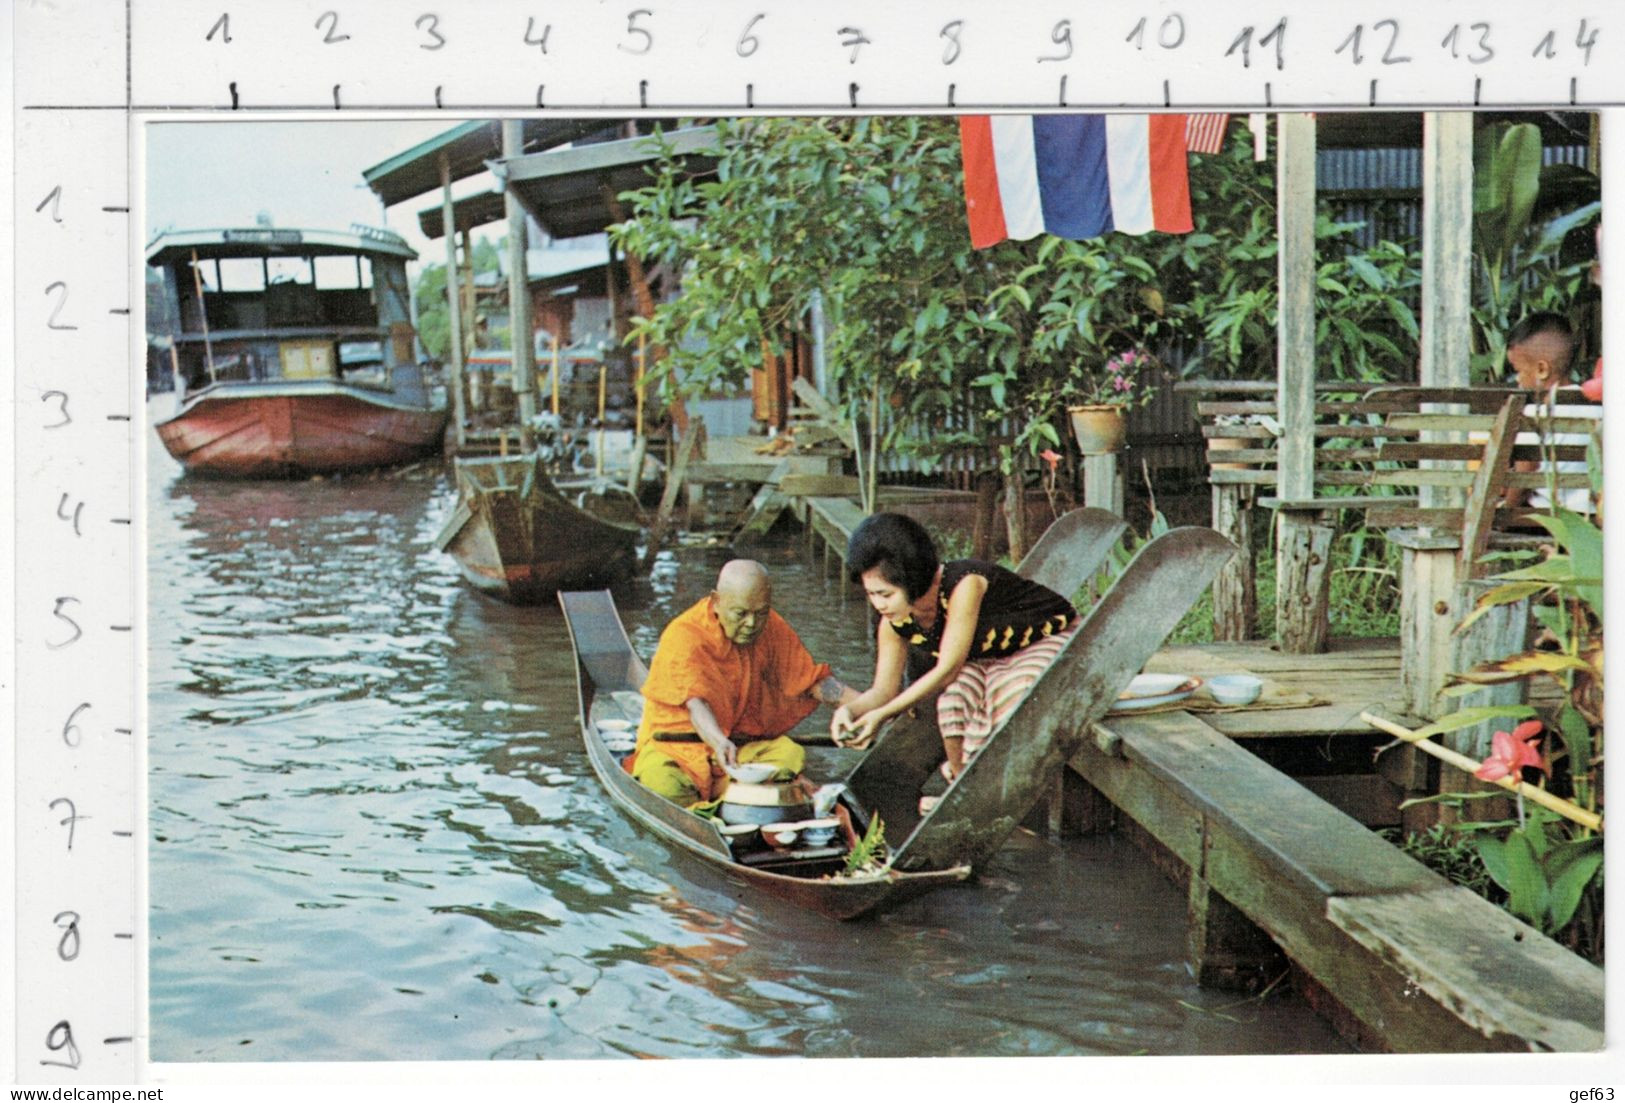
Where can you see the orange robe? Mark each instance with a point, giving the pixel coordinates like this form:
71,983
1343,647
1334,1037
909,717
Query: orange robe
755,692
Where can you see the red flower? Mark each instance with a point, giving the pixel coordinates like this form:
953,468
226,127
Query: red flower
1592,388
1510,753
1051,457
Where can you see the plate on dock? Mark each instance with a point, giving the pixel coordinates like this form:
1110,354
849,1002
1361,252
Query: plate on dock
1147,691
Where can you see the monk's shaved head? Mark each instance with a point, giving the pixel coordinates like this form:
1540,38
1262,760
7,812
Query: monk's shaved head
743,598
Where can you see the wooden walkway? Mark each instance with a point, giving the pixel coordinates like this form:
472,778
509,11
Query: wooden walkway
1420,964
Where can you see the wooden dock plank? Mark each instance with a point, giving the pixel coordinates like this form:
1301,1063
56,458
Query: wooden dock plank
1552,998
1333,895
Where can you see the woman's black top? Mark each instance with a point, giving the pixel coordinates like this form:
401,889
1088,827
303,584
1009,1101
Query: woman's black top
1014,613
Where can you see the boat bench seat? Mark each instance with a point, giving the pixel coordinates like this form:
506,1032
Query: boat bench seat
1342,903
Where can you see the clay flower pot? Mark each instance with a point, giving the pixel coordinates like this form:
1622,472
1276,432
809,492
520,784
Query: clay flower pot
1099,429
1227,444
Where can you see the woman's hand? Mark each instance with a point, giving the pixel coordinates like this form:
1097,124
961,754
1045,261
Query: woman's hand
839,723
861,732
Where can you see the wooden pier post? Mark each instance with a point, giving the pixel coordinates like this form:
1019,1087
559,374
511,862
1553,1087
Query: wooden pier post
448,225
1304,536
1102,483
1235,590
1228,951
520,333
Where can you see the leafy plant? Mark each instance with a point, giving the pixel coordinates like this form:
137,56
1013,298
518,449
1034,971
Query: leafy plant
1545,873
870,852
1523,214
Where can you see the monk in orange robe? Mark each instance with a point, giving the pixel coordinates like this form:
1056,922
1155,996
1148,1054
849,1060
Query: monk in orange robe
729,678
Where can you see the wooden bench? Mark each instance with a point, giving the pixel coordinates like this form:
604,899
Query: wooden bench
1429,465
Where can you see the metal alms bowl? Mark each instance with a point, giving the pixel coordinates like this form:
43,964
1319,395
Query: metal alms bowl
742,803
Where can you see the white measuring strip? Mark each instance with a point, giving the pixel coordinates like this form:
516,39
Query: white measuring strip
81,66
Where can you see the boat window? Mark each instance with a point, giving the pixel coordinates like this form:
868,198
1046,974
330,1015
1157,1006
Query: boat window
290,270
207,272
364,270
336,273
242,274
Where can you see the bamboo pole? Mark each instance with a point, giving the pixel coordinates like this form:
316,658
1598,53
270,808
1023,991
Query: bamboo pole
642,352
203,315
1567,809
603,394
555,375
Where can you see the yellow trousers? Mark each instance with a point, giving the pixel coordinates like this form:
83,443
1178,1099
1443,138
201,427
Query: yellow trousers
692,776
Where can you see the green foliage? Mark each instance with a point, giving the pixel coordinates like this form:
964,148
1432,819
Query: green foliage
1522,216
1543,872
434,313
1450,854
870,852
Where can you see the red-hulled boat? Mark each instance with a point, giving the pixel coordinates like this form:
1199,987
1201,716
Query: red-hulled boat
294,355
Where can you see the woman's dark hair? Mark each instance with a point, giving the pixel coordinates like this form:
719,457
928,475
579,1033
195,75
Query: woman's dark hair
899,547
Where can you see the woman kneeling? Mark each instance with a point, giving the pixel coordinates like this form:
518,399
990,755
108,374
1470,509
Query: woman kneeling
969,630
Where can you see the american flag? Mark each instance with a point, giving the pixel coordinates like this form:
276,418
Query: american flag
1205,133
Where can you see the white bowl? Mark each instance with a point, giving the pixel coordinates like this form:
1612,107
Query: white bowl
1235,689
780,835
819,832
753,773
610,724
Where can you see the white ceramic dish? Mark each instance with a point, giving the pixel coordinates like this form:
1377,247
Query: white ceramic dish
1147,691
752,773
610,724
780,835
819,832
1235,689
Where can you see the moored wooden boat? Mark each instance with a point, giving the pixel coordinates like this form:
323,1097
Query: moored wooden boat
291,428
997,787
516,537
293,354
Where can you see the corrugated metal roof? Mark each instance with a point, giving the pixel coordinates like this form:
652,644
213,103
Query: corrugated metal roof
563,188
468,147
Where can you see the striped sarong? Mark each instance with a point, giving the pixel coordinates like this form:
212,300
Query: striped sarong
986,692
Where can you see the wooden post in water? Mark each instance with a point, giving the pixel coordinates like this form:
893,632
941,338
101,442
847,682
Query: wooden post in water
448,227
1304,536
520,333
640,441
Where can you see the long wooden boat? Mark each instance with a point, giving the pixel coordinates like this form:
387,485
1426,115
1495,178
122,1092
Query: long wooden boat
608,668
293,352
997,788
516,537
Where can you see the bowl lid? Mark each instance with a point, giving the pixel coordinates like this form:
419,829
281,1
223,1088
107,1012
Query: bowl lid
769,795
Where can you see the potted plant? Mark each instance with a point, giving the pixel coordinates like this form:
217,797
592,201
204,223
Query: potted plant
1125,381
1236,439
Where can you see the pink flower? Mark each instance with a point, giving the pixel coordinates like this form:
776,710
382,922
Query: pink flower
1120,383
1510,753
1051,457
1592,388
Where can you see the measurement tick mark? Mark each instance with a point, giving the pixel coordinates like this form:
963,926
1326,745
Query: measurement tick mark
124,834
116,1041
118,417
119,627
124,935
120,520
119,310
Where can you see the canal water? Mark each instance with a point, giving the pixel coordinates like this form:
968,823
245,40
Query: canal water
373,835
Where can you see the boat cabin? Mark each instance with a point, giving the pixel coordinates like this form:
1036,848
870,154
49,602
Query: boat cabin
262,304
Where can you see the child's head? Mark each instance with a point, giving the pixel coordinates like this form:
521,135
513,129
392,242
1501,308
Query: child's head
1539,349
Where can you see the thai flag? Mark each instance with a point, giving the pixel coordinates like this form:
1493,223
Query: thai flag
1075,176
